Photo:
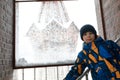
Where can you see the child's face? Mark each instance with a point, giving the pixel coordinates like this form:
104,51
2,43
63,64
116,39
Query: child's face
88,37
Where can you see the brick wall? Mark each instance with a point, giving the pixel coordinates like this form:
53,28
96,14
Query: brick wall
6,39
111,18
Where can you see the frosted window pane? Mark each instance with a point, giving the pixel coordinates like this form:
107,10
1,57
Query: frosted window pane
41,74
18,74
47,33
29,74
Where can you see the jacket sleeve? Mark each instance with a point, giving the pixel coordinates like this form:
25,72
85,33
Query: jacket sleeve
77,69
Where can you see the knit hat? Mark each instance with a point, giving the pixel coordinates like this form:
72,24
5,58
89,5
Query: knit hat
87,28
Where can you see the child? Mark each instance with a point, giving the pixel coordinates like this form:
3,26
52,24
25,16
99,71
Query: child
102,57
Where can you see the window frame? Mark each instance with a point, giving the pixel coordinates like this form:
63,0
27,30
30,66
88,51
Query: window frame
15,1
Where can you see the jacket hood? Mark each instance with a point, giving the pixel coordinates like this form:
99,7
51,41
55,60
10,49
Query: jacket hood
98,41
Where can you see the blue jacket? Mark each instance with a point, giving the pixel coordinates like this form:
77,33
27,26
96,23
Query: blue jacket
102,57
